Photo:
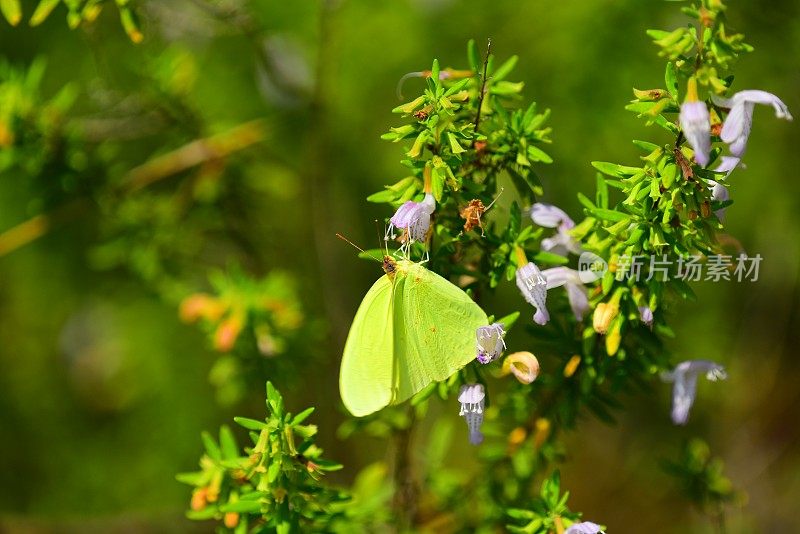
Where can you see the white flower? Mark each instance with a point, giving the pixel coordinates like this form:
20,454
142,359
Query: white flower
550,216
490,342
696,126
533,286
684,377
587,527
576,292
471,397
414,218
736,128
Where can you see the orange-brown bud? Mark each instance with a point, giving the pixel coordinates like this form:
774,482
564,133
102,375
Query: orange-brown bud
231,519
199,499
228,332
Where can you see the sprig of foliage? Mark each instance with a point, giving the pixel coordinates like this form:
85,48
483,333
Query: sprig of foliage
547,513
274,485
701,479
79,12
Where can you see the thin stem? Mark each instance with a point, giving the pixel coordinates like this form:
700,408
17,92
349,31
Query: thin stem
405,490
38,226
483,86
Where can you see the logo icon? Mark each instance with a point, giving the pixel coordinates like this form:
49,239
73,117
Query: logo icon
591,267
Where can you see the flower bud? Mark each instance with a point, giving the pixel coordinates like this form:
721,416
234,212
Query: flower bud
523,365
228,332
231,519
572,366
603,315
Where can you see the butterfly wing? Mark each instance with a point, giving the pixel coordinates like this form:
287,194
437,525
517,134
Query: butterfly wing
367,372
434,330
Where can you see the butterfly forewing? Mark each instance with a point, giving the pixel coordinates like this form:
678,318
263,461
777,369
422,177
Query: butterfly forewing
368,370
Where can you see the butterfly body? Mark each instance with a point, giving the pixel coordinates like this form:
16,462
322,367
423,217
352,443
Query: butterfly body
412,328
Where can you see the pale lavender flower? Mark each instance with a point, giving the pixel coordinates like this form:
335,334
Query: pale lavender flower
576,292
696,126
646,315
490,343
414,218
739,121
684,377
533,286
471,397
550,216
587,527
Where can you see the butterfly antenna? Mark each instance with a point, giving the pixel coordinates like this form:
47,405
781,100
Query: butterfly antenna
343,238
403,80
495,200
385,240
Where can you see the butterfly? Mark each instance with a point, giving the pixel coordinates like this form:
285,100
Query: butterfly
412,328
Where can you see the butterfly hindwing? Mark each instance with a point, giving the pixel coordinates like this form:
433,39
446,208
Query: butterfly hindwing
434,330
368,372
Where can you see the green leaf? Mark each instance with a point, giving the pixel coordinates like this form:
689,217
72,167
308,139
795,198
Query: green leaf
602,191
328,465
435,72
382,197
473,56
251,424
537,154
230,450
193,479
274,400
614,170
508,320
211,447
455,146
242,507
505,69
583,199
548,257
646,146
11,11
302,416
609,215
42,11
671,79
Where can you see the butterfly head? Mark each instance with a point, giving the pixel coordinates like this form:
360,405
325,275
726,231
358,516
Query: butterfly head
389,266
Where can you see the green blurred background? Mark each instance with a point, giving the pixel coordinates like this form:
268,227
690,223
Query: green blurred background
105,391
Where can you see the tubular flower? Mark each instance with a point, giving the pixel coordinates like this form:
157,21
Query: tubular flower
414,218
550,216
586,527
471,397
533,286
490,343
696,124
576,292
739,121
684,378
